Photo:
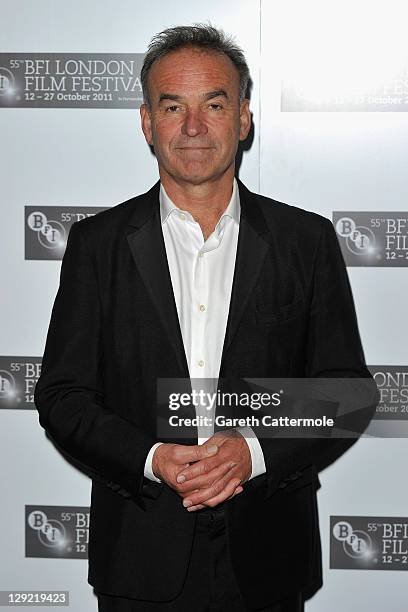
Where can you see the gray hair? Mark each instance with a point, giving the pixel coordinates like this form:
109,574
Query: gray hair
198,35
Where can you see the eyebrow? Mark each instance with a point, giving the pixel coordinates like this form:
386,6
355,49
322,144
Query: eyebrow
208,96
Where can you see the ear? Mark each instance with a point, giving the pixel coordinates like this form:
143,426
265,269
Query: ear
244,119
146,123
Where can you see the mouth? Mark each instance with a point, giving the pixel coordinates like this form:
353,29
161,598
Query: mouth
194,148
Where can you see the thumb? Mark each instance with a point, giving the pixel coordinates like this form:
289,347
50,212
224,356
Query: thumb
197,452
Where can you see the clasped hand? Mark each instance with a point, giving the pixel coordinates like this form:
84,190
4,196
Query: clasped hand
205,475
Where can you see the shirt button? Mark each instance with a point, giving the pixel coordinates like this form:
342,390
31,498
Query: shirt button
182,216
202,307
200,254
201,363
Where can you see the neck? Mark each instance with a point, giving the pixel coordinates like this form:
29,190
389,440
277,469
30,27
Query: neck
206,202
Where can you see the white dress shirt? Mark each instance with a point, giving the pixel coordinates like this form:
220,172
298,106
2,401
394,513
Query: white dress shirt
201,274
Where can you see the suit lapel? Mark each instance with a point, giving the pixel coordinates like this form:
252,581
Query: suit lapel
146,243
149,253
251,250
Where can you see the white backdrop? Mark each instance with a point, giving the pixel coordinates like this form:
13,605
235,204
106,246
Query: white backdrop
321,161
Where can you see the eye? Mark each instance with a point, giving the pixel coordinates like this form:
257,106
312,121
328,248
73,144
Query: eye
172,108
215,106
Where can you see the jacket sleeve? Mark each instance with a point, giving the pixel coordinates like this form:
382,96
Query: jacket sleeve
69,393
333,351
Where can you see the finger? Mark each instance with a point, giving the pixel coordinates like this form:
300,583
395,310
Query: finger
224,495
206,479
204,466
200,506
198,468
221,489
239,489
184,453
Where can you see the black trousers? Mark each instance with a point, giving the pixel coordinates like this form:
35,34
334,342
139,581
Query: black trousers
210,584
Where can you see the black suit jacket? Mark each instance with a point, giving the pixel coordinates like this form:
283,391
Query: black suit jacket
114,330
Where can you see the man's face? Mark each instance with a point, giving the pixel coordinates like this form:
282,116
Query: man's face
195,120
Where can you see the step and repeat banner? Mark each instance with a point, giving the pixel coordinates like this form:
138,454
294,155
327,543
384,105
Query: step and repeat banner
329,101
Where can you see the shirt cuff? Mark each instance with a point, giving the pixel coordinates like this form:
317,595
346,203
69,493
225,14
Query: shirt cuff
257,456
148,470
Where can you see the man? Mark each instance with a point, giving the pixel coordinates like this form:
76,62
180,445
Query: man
196,279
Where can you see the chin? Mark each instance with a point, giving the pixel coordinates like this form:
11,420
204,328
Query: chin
196,174
196,179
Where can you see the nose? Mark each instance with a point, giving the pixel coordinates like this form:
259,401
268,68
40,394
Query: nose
193,123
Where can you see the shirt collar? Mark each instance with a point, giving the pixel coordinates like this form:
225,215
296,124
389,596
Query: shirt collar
232,211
